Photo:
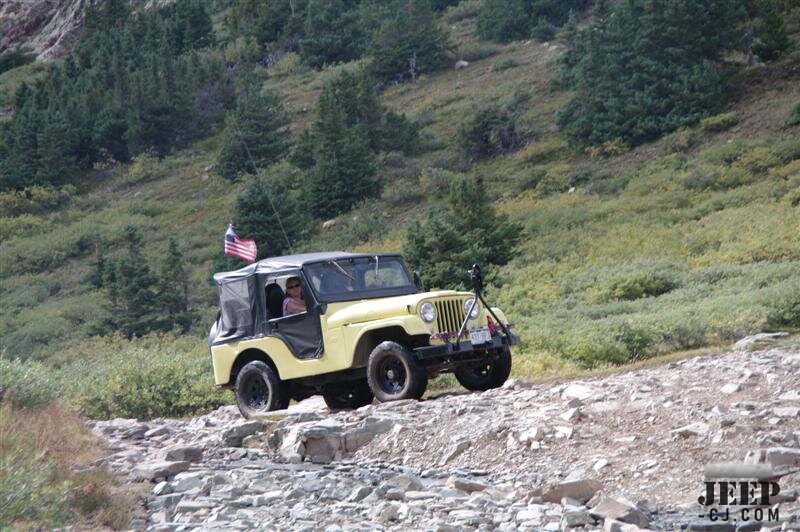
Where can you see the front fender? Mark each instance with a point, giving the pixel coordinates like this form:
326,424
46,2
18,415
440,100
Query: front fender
411,325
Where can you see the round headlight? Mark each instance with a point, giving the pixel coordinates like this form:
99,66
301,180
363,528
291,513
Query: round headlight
427,312
475,311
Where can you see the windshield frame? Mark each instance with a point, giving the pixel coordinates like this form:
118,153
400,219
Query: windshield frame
373,293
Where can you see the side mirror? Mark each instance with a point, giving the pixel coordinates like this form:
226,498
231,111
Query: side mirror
418,280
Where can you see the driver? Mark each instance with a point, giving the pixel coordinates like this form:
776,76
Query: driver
294,302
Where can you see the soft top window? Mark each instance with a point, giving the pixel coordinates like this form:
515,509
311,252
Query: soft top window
351,278
236,308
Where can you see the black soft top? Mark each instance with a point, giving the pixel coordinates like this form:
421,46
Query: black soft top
287,262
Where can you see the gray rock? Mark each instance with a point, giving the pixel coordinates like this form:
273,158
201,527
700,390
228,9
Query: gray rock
194,506
157,431
359,493
419,495
576,518
183,453
465,484
160,469
162,488
187,481
136,432
577,391
787,411
693,429
407,482
581,490
454,451
395,494
620,510
321,445
749,342
777,457
234,435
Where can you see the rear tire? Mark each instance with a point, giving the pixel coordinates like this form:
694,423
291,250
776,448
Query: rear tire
394,374
259,390
486,375
347,395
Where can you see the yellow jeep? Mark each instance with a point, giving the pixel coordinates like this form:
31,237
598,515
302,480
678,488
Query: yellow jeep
368,332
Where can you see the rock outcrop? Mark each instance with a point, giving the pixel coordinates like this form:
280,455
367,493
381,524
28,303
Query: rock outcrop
47,28
635,457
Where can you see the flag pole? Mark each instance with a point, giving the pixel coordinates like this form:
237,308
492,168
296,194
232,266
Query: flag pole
258,175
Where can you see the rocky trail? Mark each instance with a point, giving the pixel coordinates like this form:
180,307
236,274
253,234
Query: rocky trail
612,452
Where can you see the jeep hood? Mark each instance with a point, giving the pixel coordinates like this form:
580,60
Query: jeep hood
366,310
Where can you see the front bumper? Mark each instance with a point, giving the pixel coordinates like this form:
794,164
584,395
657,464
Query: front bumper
464,350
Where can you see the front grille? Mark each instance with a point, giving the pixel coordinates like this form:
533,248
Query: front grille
449,314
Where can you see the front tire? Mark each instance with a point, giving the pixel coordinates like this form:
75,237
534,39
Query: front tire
488,374
259,390
394,374
348,395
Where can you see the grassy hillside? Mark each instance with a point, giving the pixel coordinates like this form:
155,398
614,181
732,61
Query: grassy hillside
685,242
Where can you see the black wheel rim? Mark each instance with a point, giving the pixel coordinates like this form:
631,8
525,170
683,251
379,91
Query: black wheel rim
256,392
391,375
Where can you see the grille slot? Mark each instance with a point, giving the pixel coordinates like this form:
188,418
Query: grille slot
449,314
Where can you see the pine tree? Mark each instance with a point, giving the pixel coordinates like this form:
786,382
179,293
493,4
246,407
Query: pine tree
469,230
343,161
649,68
173,294
343,171
55,164
772,38
503,21
409,44
332,33
131,289
253,135
255,213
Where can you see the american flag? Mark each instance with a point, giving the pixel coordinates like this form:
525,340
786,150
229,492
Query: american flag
244,249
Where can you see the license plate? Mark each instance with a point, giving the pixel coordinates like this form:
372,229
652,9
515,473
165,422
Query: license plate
479,336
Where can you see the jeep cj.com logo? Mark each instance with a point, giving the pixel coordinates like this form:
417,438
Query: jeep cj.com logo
752,496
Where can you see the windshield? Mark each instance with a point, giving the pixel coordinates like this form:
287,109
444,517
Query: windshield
360,277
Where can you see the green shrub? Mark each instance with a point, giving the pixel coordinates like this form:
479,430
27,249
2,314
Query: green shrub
143,383
711,178
490,131
633,281
794,116
785,311
554,180
29,491
15,58
286,65
35,200
52,249
720,122
681,140
463,10
505,64
477,51
793,197
24,225
27,384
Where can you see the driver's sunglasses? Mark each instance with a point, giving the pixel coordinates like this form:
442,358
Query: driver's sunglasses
289,287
